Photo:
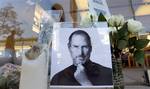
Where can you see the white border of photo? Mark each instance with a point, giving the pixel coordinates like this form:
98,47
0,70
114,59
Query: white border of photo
101,27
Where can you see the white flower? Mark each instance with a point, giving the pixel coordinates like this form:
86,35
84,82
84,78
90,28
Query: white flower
112,29
134,26
116,21
86,21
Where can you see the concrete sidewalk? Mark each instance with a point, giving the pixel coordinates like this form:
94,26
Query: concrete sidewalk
133,78
137,87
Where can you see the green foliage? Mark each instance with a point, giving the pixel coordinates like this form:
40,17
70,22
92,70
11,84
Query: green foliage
132,41
9,82
123,37
123,32
122,44
139,56
141,43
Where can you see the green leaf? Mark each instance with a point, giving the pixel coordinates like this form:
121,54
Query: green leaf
139,56
123,32
115,36
122,44
141,43
124,38
101,18
132,41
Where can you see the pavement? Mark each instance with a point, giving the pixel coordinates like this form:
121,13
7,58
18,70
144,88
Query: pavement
137,87
133,78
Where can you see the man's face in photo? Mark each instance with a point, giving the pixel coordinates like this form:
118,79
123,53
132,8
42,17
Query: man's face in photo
80,49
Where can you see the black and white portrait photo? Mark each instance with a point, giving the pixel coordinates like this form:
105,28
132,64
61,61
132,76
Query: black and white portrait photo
81,57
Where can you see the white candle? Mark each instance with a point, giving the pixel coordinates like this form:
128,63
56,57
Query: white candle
34,73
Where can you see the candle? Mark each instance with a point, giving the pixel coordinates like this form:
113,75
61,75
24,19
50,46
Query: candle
34,73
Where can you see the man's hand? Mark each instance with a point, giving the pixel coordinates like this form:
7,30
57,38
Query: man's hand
81,76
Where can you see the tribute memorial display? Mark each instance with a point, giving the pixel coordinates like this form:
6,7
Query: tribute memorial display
81,58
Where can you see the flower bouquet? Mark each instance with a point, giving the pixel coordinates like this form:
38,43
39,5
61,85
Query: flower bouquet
123,35
9,76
